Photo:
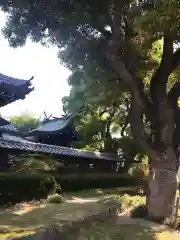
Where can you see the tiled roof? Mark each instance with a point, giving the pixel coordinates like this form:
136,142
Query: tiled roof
8,127
61,151
13,140
13,89
13,81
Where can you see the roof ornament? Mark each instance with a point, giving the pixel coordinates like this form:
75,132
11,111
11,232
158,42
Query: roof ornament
31,79
44,117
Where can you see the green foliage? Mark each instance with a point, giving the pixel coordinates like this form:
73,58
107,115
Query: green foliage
17,187
131,202
32,166
24,120
161,18
77,182
34,163
56,198
90,128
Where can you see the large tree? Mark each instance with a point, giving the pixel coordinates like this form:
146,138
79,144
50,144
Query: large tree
114,37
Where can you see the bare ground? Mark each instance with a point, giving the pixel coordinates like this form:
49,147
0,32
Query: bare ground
27,220
30,218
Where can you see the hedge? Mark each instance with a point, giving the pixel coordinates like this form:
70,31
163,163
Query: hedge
17,187
74,182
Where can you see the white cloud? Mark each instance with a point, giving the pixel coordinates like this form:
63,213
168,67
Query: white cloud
49,76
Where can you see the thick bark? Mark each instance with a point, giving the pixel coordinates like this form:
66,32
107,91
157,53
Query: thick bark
162,185
163,161
162,177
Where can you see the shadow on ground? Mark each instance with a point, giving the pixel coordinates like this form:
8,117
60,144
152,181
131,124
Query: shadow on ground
108,230
45,216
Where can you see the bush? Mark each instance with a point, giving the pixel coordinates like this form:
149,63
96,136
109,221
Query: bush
15,187
132,202
75,182
56,198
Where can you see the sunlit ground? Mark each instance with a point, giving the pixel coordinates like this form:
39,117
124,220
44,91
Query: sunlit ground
26,219
108,231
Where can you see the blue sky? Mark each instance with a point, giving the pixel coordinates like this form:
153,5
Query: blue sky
50,78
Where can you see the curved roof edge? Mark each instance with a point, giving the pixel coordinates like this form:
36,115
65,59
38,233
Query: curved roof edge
13,89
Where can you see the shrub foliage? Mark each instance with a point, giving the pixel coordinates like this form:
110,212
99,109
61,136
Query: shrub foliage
74,182
15,187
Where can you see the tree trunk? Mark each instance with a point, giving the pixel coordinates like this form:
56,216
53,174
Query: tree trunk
162,184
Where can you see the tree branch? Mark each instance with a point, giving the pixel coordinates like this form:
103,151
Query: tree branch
160,77
164,121
136,120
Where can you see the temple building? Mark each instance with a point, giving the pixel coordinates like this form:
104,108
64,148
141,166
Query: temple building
55,131
53,136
